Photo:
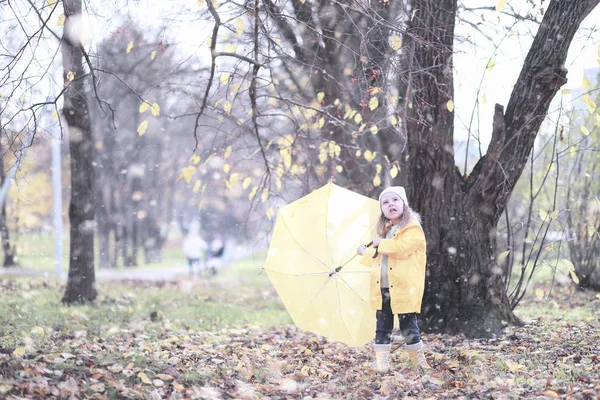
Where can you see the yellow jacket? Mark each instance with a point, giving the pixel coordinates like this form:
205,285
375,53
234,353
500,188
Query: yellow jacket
406,253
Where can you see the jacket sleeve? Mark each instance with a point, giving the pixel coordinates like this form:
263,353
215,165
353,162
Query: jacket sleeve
367,258
404,243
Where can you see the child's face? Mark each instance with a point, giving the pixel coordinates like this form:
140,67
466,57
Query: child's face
392,206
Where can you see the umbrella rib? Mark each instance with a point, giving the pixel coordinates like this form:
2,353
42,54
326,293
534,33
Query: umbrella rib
340,310
302,248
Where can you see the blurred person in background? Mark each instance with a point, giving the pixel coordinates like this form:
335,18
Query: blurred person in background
216,254
194,248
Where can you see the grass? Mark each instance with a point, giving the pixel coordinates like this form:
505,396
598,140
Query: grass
240,295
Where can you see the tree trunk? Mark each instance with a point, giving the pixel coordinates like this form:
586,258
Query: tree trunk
9,251
81,281
465,292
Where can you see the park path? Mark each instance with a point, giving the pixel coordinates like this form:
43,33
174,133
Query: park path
178,272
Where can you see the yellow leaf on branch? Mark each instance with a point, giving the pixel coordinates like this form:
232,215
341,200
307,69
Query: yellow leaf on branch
153,54
187,173
584,130
253,193
129,46
61,20
490,66
450,105
143,107
155,109
270,213
265,195
239,26
373,103
376,181
142,128
500,5
394,171
197,186
396,43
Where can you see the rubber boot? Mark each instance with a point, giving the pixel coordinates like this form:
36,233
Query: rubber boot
416,352
382,357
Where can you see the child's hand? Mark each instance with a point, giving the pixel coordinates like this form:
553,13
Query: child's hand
376,241
361,250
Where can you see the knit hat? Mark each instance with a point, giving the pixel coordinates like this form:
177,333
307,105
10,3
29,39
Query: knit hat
399,190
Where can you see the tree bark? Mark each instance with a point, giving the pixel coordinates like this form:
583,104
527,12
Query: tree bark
464,291
9,251
81,281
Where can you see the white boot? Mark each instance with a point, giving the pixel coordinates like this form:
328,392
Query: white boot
416,353
382,357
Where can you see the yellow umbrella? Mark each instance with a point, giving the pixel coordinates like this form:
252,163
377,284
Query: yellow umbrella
312,263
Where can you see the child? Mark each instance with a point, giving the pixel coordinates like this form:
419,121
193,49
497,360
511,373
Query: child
398,276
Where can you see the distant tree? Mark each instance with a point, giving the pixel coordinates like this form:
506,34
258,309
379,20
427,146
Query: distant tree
81,283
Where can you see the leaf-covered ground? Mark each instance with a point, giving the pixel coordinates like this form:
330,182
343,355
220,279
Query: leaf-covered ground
156,355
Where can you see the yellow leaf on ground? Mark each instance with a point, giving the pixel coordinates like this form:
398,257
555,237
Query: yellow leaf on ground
144,378
539,293
142,128
129,46
19,351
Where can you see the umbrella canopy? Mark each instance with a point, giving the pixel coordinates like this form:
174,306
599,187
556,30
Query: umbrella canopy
312,263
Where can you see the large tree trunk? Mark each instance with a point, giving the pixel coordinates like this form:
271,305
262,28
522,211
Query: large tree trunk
81,286
465,290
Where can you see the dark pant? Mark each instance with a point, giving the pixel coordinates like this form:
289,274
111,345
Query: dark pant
385,323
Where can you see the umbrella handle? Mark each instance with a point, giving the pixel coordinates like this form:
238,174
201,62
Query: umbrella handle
376,250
